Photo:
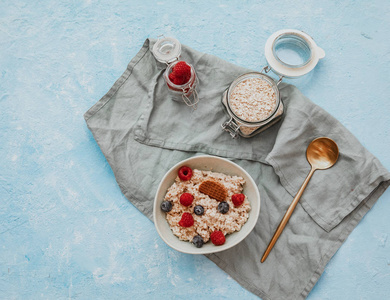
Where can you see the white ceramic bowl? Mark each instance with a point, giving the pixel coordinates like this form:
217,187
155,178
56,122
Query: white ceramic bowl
215,164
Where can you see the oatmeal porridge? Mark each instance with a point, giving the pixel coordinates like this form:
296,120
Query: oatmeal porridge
197,216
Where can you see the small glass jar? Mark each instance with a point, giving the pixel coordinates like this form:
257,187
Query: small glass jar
168,50
185,92
248,117
252,100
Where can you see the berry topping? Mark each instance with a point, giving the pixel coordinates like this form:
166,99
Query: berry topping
238,199
166,206
223,207
186,220
198,241
199,210
185,173
186,199
217,238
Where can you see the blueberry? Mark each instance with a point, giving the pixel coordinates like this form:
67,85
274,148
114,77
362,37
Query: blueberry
199,210
198,241
223,207
166,206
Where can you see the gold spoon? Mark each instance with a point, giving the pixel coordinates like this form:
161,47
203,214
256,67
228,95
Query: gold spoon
322,153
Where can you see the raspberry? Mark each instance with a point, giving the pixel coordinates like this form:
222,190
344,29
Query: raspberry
181,69
185,173
181,73
172,77
175,80
186,220
186,199
179,81
217,238
238,199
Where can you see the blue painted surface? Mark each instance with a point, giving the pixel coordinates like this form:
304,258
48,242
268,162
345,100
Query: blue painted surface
66,231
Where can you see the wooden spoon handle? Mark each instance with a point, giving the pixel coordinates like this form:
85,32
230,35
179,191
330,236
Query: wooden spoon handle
287,216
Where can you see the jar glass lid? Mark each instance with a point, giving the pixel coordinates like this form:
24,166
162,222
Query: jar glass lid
292,53
167,49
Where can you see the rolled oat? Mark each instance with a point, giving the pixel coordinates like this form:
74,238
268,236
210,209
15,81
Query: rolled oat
253,100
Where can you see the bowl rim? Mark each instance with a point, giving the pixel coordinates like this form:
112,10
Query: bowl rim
253,214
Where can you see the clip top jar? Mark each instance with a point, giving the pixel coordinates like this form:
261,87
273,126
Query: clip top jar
179,75
252,100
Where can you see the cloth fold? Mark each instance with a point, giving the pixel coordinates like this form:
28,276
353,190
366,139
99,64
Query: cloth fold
142,133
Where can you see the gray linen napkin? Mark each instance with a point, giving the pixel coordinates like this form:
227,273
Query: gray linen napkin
142,133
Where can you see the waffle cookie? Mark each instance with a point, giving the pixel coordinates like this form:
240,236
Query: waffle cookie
213,189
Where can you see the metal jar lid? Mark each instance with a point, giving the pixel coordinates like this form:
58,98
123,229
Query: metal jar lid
167,50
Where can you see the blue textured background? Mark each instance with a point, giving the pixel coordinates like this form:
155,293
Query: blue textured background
66,231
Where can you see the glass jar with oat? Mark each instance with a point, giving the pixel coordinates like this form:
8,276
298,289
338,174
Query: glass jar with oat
252,100
179,75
